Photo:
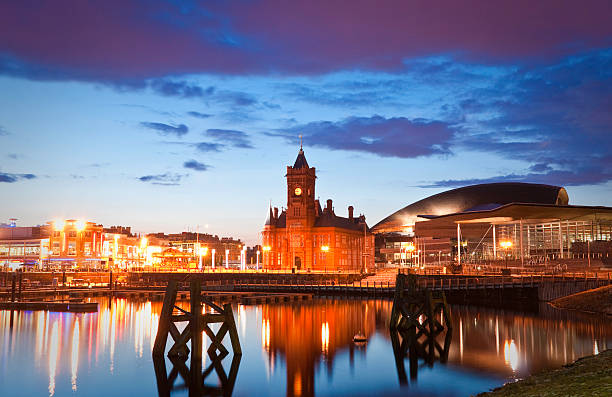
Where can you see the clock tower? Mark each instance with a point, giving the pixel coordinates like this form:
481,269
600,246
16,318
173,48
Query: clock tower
300,193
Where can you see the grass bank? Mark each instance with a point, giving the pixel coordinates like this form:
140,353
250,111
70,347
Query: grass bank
588,376
598,300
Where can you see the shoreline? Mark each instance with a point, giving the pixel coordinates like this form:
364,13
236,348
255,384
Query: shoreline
587,376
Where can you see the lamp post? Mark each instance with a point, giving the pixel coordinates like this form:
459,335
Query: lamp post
257,262
205,254
226,258
506,244
266,248
325,250
213,258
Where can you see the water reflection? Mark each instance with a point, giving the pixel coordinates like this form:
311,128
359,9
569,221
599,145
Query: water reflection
311,334
196,381
293,349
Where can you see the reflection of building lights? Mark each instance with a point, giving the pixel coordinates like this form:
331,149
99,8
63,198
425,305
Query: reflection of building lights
325,248
325,337
511,354
75,355
53,357
265,334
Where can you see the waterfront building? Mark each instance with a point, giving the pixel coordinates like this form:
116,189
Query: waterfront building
305,236
23,246
534,222
198,250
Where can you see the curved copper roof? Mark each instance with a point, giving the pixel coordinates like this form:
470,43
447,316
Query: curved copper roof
472,198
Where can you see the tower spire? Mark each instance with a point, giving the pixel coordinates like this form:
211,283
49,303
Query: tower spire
300,142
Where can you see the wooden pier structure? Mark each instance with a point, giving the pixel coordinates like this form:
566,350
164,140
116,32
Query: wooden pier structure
419,317
198,321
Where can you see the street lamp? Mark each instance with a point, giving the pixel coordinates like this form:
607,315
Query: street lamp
257,263
506,244
203,254
266,248
325,249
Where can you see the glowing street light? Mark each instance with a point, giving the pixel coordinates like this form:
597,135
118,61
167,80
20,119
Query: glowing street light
506,244
325,248
265,248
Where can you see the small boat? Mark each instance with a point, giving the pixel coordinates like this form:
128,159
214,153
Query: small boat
360,338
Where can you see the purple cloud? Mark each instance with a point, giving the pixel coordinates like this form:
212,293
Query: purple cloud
388,137
129,41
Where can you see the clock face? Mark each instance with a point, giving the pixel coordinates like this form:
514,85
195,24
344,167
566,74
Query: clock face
298,191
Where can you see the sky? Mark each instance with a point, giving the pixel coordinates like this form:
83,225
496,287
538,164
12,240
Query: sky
182,115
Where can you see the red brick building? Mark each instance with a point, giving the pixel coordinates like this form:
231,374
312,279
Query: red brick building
305,236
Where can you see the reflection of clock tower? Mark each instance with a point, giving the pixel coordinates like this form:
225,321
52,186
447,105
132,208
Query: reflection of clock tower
300,210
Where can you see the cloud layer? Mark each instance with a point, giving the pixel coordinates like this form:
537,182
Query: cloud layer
97,41
12,178
166,129
389,137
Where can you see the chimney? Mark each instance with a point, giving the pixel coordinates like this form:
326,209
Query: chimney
329,205
275,212
350,212
317,208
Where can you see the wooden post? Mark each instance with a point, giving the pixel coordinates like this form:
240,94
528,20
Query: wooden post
165,318
196,337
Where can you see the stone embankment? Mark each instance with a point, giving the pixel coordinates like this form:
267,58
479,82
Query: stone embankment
588,376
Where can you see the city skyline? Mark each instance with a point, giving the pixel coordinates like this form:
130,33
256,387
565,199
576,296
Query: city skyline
172,115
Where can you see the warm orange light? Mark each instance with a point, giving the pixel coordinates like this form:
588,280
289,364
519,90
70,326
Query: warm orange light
267,248
325,248
205,249
80,225
143,242
59,225
505,244
410,247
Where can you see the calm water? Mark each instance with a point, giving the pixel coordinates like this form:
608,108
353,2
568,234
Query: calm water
288,349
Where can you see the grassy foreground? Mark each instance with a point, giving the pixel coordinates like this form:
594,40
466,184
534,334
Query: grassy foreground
595,300
588,376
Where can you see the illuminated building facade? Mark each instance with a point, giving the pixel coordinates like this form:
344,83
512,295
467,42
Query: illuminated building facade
23,246
528,223
191,250
305,236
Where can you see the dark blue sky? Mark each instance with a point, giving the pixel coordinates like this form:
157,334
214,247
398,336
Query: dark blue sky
168,115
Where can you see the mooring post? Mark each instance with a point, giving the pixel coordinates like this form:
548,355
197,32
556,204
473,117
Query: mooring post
110,280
